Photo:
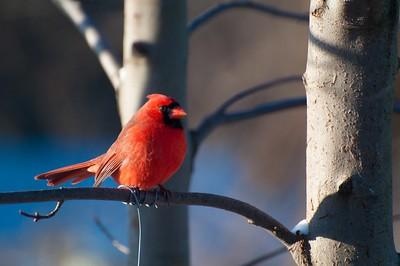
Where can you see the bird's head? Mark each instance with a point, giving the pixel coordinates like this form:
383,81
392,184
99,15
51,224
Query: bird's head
165,109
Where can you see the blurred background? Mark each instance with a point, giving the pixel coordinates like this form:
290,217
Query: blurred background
57,107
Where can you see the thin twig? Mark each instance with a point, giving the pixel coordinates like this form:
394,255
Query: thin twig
220,116
93,37
37,216
213,121
252,214
221,7
265,257
260,87
119,246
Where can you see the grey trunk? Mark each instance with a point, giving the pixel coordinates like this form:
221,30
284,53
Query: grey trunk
352,61
155,54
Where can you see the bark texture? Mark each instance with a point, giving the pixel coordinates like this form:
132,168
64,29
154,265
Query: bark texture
155,54
352,61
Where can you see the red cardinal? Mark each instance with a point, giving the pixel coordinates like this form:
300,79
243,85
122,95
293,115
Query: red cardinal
147,152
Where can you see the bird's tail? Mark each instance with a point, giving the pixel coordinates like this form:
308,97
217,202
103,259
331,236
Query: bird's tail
77,172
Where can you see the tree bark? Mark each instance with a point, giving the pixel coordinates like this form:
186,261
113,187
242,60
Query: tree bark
155,54
349,80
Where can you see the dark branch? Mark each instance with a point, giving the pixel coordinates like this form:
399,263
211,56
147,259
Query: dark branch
221,7
120,247
218,119
252,214
265,257
220,116
37,216
260,87
262,109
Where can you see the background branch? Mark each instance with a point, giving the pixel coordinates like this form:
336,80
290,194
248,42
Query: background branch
120,247
93,37
222,7
220,116
260,87
251,213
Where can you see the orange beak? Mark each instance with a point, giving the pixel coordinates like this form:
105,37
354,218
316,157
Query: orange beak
177,113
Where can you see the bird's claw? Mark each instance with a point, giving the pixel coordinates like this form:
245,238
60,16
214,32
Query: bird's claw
133,197
153,203
166,193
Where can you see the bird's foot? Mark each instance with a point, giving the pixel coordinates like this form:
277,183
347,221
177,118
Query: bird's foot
155,199
134,195
166,193
151,204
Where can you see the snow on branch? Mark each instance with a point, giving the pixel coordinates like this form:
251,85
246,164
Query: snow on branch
252,214
278,251
222,7
93,37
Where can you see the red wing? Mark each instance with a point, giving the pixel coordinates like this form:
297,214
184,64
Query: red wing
110,163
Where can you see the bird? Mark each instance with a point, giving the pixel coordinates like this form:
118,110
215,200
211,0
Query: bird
150,148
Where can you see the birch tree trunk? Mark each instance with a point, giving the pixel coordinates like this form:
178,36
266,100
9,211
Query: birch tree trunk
155,54
352,61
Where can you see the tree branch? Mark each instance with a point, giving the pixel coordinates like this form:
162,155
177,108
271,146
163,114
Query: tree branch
217,118
120,247
260,87
37,216
252,214
96,41
213,121
220,116
222,7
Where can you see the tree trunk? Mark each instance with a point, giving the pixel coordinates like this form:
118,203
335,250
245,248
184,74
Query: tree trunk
155,54
349,81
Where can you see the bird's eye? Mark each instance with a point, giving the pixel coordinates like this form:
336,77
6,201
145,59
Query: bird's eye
163,109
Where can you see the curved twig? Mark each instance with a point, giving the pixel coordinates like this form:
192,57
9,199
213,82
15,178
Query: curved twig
93,37
252,214
220,116
216,119
37,216
260,87
221,7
